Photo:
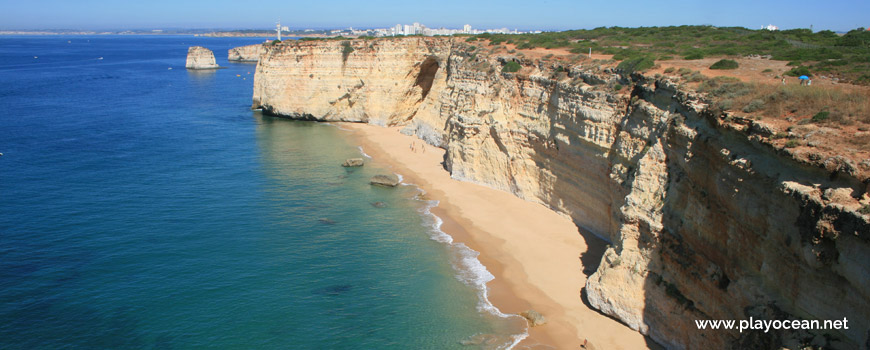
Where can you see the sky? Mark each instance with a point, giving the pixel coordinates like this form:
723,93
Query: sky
837,15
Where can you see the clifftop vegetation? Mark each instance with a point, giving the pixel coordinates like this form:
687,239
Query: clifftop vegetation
845,56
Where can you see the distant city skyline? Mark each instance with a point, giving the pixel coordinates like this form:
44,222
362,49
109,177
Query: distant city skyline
838,15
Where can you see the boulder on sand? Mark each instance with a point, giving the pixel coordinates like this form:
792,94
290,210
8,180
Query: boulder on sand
535,318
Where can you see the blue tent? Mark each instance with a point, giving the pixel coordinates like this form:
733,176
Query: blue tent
804,77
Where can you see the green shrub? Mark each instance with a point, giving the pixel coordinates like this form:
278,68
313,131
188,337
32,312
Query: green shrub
767,70
684,71
470,39
792,143
779,135
821,116
636,64
725,64
798,71
276,42
669,70
694,56
617,87
511,67
865,209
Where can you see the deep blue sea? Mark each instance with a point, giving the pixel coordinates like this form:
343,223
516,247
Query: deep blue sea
144,206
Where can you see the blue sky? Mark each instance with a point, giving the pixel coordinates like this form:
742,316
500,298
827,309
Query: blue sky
527,14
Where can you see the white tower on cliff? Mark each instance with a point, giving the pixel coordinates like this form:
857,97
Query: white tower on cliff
279,28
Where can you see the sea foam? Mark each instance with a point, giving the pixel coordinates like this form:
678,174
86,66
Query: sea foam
469,269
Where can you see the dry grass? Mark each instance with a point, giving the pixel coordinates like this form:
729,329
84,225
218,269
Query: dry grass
844,107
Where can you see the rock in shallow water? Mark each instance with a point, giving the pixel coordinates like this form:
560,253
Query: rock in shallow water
535,318
385,180
353,162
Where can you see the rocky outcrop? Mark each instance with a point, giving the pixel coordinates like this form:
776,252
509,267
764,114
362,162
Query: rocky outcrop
705,218
352,162
534,318
249,53
199,57
390,180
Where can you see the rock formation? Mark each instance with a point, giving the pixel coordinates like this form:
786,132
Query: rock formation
535,318
353,162
390,180
249,53
705,218
199,57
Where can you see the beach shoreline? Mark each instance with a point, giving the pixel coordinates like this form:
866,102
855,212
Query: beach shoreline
533,252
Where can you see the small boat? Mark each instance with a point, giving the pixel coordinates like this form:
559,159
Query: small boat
100,58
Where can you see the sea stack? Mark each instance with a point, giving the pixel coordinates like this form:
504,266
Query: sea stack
250,53
199,57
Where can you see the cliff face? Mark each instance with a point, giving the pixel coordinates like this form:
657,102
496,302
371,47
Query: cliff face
250,53
706,220
199,57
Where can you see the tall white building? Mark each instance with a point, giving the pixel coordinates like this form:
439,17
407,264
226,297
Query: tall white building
466,29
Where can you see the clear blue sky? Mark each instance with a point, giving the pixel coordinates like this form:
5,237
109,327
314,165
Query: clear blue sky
526,14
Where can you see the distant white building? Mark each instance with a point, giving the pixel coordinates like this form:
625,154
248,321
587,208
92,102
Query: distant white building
770,27
466,29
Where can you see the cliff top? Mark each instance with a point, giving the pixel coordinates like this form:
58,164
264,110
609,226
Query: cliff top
825,123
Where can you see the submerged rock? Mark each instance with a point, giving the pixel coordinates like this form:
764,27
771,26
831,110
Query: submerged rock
379,204
353,162
535,318
385,180
326,221
199,57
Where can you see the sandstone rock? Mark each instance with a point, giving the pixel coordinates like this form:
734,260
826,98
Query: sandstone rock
535,319
390,180
199,57
249,53
353,162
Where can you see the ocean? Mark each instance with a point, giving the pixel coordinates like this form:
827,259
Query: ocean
143,205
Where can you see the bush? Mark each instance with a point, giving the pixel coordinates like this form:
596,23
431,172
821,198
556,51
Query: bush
617,87
636,64
511,67
821,116
669,70
754,106
798,71
865,209
767,70
792,143
724,64
694,56
276,42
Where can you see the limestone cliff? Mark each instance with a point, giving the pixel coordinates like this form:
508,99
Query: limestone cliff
706,220
249,53
199,57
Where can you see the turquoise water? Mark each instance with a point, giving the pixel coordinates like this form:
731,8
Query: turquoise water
148,207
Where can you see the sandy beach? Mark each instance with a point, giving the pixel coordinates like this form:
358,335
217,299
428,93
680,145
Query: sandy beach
533,252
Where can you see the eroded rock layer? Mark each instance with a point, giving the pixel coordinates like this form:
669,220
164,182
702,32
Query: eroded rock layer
705,220
249,53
